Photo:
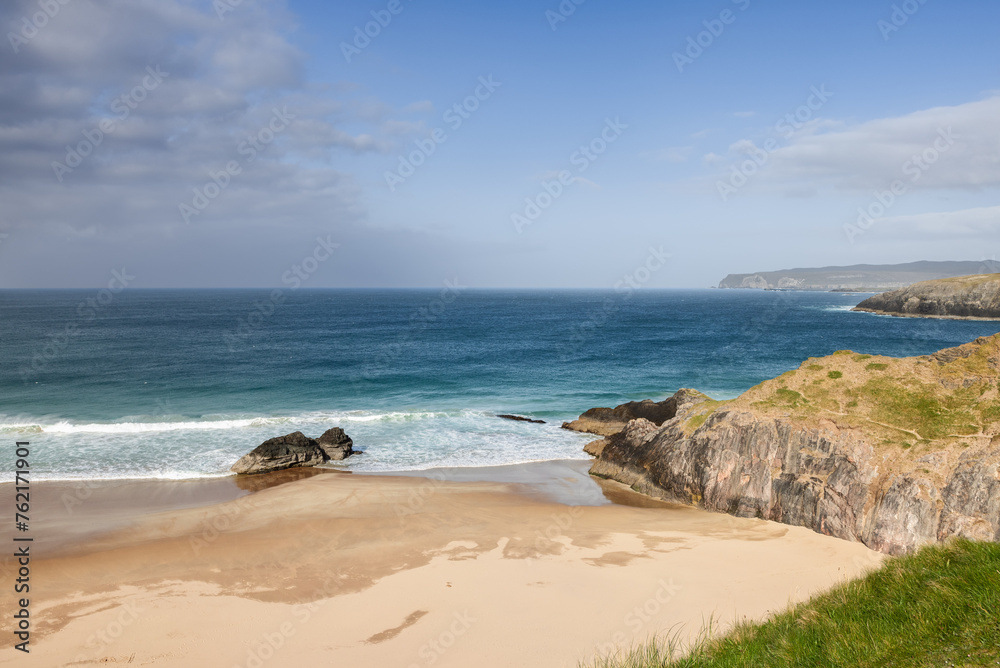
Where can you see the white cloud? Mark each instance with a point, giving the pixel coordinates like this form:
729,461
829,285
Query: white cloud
982,221
870,155
713,160
222,81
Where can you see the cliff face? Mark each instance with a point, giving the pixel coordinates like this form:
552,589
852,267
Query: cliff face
832,448
962,297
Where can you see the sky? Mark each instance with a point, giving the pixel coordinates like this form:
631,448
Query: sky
517,144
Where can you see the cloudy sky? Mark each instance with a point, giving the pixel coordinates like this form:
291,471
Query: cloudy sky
524,143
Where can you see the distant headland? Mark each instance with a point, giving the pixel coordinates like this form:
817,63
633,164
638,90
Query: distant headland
859,277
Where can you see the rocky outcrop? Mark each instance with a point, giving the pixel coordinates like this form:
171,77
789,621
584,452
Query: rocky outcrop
835,458
295,450
965,297
609,421
520,418
335,444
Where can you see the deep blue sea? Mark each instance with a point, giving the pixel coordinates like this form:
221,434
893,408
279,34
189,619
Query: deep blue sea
181,383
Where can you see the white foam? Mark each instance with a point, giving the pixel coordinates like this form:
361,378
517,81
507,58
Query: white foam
130,427
178,448
98,476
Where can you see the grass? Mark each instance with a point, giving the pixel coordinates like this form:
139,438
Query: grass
697,421
784,397
937,405
931,414
701,413
937,607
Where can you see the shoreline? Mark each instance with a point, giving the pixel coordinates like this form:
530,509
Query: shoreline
73,511
971,318
314,566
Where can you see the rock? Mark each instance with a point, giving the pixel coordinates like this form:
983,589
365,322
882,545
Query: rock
519,418
610,421
816,449
950,355
295,450
336,444
964,297
595,448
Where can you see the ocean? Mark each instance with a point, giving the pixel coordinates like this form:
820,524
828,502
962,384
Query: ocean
180,383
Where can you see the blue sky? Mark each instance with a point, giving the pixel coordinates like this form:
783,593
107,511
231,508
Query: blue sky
871,98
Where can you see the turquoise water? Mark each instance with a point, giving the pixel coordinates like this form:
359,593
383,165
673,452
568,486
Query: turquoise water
173,384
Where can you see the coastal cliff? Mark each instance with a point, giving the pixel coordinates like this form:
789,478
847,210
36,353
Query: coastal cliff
970,297
894,453
859,277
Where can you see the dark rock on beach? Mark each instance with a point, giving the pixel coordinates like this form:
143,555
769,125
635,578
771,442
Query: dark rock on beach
336,444
520,418
295,450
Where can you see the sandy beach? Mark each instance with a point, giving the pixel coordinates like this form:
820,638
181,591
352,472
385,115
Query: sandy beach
310,568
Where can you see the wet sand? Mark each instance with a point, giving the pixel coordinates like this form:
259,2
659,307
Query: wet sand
326,568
